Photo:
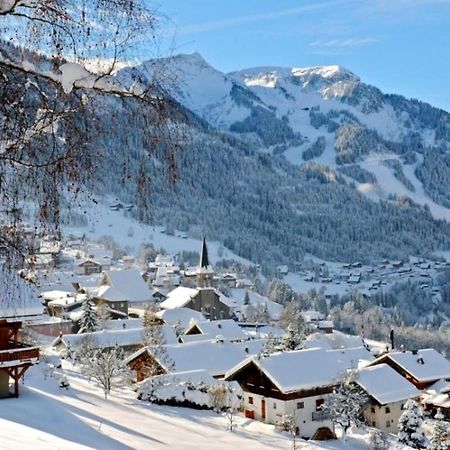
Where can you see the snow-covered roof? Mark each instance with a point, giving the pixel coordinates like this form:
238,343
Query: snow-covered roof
183,316
438,394
227,329
123,324
336,340
124,285
238,294
55,294
104,338
297,370
215,358
17,296
424,365
385,385
67,300
312,315
353,358
263,331
178,298
87,260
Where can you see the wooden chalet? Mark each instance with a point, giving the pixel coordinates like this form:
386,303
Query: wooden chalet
420,367
15,357
290,383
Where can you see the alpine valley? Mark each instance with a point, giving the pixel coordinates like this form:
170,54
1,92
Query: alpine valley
280,162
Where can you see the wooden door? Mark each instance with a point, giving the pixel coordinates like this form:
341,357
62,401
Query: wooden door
263,409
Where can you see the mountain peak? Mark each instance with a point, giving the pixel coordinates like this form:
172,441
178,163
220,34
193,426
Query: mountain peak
333,72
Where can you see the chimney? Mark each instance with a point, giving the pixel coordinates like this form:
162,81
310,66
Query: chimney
391,336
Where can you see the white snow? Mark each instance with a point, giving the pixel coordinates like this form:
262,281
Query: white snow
48,418
120,285
386,385
297,370
226,329
182,316
178,298
426,365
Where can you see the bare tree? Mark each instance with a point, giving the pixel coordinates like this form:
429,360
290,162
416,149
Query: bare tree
104,365
57,62
344,405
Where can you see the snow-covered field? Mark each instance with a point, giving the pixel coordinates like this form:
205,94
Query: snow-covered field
47,417
130,234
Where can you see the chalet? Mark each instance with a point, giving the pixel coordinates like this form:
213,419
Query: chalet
354,278
437,396
181,317
291,383
87,267
227,330
229,279
15,358
121,288
128,339
256,300
326,326
64,305
421,367
214,357
209,301
388,391
283,270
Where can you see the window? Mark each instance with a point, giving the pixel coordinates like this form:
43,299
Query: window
274,405
300,405
387,410
319,402
388,424
372,409
250,400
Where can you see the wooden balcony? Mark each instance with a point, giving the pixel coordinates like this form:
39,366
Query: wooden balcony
18,356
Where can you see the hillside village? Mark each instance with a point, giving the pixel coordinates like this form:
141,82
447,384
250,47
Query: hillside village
197,337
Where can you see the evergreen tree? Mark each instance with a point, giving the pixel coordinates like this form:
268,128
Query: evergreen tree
292,322
88,321
440,432
410,426
246,301
291,340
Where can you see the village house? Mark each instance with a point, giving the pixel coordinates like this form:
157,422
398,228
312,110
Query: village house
388,391
120,289
226,330
437,396
15,357
290,383
421,367
129,339
214,357
182,318
209,301
87,267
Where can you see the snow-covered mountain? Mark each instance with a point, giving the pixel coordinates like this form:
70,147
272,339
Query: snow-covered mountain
385,144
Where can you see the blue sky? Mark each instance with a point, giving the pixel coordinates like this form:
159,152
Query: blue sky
401,46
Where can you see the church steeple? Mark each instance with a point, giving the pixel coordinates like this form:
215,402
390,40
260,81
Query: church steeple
204,261
204,272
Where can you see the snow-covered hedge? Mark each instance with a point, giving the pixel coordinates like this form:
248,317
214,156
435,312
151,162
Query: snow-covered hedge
198,394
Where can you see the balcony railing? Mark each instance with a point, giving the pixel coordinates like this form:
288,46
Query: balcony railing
19,355
320,416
